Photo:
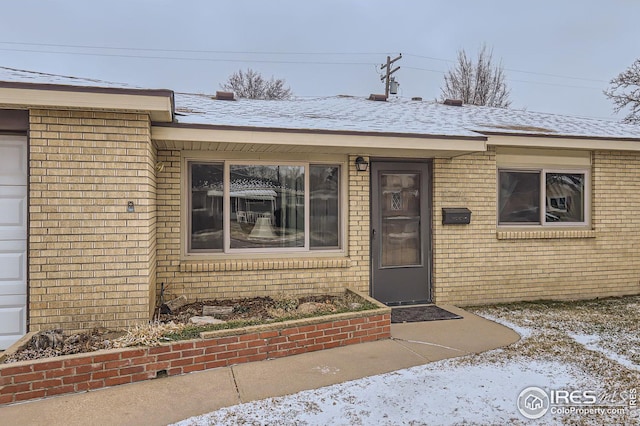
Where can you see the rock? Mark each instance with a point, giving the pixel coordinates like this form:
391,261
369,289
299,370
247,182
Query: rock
73,340
172,305
53,339
205,320
355,306
222,312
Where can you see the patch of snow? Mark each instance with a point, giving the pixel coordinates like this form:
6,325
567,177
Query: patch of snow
437,393
524,332
592,342
325,369
35,77
476,389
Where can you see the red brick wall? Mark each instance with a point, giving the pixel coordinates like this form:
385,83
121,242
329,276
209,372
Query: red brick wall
77,373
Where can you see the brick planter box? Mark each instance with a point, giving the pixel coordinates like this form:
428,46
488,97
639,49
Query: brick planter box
26,380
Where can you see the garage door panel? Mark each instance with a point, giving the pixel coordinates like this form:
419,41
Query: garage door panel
13,239
13,212
13,161
13,267
13,319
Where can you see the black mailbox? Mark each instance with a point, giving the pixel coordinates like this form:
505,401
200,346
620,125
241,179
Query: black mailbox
456,216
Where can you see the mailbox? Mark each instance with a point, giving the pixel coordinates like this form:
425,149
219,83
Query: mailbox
456,216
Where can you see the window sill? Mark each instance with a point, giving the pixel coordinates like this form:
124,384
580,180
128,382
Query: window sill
228,265
543,234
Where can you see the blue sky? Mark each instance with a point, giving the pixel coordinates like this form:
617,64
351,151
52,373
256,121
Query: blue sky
558,56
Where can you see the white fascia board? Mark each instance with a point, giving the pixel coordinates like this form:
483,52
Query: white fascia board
369,142
565,143
160,108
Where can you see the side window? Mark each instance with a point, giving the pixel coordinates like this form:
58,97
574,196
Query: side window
519,197
565,195
542,197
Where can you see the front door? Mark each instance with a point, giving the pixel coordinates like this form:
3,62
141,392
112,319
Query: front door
400,232
13,239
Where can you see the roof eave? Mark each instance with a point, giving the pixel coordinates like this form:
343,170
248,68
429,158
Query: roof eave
159,103
175,125
525,140
258,139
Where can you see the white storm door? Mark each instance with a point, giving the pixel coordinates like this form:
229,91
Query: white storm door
13,239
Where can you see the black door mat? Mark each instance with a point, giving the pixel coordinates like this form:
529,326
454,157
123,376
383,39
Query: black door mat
421,313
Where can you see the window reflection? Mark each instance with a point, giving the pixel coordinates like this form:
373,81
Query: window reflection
267,206
400,200
564,193
206,206
324,206
519,197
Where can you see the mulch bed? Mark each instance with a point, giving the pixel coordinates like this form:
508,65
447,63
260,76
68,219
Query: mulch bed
257,309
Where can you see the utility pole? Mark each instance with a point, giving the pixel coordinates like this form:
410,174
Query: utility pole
387,76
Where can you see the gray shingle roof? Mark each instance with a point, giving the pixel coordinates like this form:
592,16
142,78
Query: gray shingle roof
22,76
403,116
357,114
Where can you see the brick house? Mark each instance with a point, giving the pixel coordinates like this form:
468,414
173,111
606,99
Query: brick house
112,195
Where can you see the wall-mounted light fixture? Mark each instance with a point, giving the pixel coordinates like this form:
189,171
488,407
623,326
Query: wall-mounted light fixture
361,164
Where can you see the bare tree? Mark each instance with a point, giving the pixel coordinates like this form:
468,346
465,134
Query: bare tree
624,91
479,83
251,85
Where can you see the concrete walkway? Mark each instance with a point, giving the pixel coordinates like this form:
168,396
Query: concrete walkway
167,400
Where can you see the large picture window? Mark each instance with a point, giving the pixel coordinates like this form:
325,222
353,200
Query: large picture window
238,206
542,197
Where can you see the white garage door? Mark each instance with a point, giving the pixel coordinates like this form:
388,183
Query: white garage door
13,239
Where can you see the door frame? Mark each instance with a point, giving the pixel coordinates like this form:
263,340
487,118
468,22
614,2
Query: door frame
427,229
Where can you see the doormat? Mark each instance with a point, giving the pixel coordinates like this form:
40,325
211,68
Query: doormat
421,313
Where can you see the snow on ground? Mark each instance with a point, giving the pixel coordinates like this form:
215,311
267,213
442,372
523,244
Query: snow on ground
524,332
592,342
555,353
436,393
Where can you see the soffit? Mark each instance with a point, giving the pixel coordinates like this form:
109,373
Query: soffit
269,140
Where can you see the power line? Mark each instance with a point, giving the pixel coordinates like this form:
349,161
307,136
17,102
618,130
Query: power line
554,84
79,46
113,55
517,70
200,59
249,52
425,69
517,81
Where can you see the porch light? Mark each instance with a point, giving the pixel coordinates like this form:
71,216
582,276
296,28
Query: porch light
361,164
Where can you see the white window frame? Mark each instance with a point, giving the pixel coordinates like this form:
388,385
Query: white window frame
296,160
543,197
